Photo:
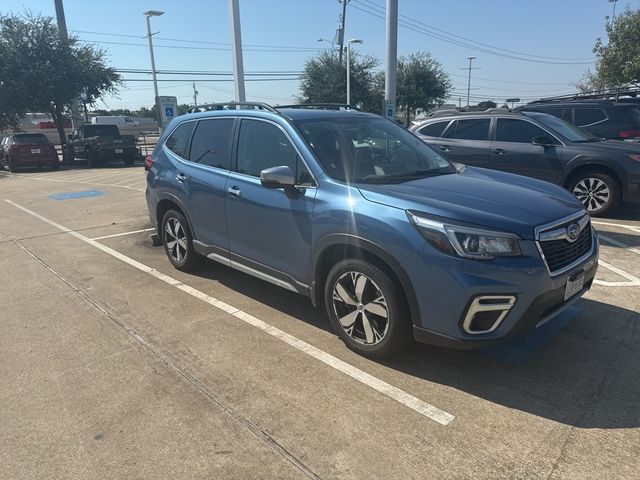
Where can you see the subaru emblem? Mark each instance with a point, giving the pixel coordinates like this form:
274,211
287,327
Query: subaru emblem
573,231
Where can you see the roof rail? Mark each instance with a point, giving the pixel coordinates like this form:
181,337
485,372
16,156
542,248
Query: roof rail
233,106
464,111
321,106
614,94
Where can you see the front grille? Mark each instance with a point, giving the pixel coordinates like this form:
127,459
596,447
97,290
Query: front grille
560,253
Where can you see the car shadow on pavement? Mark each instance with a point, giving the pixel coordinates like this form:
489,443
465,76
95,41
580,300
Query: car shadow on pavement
626,211
585,376
583,373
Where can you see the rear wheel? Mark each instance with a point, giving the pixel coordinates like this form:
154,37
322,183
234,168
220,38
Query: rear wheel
92,161
178,242
366,309
11,165
598,192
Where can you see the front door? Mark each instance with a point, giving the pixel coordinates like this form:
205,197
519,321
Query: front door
513,151
269,229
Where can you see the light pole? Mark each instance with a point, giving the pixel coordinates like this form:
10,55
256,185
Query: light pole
353,40
471,59
148,14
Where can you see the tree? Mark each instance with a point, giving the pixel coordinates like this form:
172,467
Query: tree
590,82
619,60
42,73
422,84
325,81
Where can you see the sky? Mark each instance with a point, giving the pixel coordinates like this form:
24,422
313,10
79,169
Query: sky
523,48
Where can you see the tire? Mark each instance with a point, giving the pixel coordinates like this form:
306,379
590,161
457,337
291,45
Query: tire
92,161
366,309
11,166
128,161
598,192
178,242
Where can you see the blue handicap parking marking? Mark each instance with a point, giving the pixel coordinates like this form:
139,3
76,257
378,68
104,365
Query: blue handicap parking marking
516,351
72,195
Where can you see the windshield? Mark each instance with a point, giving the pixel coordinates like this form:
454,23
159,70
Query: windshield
30,138
567,130
370,150
101,131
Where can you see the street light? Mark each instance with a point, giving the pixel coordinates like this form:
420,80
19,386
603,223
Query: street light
471,59
353,40
148,14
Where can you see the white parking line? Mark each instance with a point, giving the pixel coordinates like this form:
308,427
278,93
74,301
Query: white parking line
414,403
617,243
633,280
633,228
123,233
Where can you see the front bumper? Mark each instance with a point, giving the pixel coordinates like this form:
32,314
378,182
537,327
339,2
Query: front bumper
443,303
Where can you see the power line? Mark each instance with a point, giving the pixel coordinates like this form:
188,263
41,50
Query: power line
445,32
379,14
181,40
220,49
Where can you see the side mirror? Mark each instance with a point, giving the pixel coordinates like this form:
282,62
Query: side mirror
277,177
542,141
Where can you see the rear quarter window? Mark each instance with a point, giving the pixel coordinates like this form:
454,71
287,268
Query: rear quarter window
178,140
433,129
589,116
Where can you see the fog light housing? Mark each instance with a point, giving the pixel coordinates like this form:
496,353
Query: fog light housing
486,313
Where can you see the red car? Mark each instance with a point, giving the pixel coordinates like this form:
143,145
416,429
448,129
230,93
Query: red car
28,150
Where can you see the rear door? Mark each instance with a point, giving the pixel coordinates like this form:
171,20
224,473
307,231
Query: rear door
466,140
201,175
269,229
513,150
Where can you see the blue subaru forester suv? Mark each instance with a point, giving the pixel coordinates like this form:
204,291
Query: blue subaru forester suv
364,218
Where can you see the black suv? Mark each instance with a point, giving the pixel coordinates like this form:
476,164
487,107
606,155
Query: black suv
601,173
614,120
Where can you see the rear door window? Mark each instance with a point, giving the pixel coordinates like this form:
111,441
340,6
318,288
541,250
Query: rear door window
178,140
211,144
589,116
469,129
518,131
433,129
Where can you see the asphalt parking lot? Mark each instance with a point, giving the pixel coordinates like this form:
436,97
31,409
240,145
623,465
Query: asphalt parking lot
116,365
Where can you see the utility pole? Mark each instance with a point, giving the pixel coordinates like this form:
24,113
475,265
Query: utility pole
148,14
613,17
76,118
236,49
341,28
392,60
471,59
195,96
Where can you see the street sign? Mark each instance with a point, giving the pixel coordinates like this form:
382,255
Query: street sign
168,109
512,100
390,110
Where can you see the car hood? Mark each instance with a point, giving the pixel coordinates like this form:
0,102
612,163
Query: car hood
487,198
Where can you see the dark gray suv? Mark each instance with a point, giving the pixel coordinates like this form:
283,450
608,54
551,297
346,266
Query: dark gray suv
601,173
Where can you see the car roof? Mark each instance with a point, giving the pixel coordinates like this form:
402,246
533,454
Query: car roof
622,103
293,114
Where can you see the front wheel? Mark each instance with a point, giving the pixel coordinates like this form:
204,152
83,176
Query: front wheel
366,309
598,192
178,242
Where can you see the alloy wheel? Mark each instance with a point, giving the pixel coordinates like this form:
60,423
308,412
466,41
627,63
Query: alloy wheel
593,193
175,240
361,308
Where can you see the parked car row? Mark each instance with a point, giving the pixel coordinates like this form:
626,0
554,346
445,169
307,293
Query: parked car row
601,173
364,218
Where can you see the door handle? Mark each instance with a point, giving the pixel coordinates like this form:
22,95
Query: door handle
445,148
235,191
498,151
181,177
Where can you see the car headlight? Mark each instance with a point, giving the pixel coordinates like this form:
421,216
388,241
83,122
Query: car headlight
466,242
